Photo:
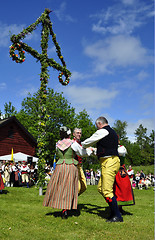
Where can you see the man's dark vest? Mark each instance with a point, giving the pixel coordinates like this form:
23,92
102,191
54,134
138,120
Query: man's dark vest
108,145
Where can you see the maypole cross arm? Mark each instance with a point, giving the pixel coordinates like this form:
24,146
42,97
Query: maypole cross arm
47,30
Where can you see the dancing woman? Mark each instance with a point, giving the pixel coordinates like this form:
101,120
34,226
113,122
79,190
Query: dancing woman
62,190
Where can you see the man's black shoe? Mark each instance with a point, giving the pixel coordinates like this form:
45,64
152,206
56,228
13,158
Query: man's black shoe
115,219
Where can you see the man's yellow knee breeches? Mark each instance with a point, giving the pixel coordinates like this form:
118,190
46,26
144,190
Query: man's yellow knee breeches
82,186
109,169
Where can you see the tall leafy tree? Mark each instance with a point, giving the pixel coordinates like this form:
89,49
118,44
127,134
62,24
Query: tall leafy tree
9,110
59,113
141,136
120,128
134,154
85,123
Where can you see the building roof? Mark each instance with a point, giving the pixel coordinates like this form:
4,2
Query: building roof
5,121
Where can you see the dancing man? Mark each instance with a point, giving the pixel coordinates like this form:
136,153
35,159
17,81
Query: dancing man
82,185
107,144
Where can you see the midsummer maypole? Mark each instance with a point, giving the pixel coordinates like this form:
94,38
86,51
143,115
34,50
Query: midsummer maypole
18,46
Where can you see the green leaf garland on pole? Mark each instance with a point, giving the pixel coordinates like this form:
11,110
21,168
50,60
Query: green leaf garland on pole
21,48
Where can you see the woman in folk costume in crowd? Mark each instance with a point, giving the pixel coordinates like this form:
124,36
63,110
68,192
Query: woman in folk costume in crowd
1,184
122,187
62,189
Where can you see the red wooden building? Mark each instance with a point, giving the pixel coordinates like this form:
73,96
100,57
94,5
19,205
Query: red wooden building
14,135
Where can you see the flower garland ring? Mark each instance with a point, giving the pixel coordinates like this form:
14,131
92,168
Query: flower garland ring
13,48
61,80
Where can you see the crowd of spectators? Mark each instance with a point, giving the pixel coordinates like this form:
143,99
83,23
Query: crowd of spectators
18,174
23,174
92,177
140,180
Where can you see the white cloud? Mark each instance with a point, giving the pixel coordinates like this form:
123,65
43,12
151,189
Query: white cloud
123,18
142,75
128,2
51,50
90,97
2,86
147,123
24,92
80,76
6,31
61,13
117,51
147,100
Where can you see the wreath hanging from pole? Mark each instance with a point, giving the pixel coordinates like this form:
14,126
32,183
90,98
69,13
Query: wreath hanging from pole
21,47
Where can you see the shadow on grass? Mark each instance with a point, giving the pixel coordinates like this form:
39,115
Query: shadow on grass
71,213
103,212
4,192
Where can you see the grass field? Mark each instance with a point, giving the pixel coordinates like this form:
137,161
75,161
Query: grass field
22,216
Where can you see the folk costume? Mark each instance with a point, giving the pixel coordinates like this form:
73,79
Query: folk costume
62,189
122,187
82,185
25,173
1,184
7,176
107,145
130,172
14,176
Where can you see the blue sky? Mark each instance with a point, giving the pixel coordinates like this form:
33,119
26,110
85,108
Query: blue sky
107,45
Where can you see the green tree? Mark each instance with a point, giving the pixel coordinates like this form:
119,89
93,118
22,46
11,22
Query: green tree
85,123
120,128
133,156
59,113
9,110
141,136
146,145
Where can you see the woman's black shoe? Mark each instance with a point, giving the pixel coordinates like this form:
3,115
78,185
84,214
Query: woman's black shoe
64,214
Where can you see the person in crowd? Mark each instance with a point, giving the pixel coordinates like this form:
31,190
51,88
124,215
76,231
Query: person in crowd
92,177
141,184
137,178
31,175
14,175
130,172
98,175
3,168
122,186
107,144
25,173
19,173
62,189
82,185
48,174
149,176
142,175
147,183
7,175
1,182
88,177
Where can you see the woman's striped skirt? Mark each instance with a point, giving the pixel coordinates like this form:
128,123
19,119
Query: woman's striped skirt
62,189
